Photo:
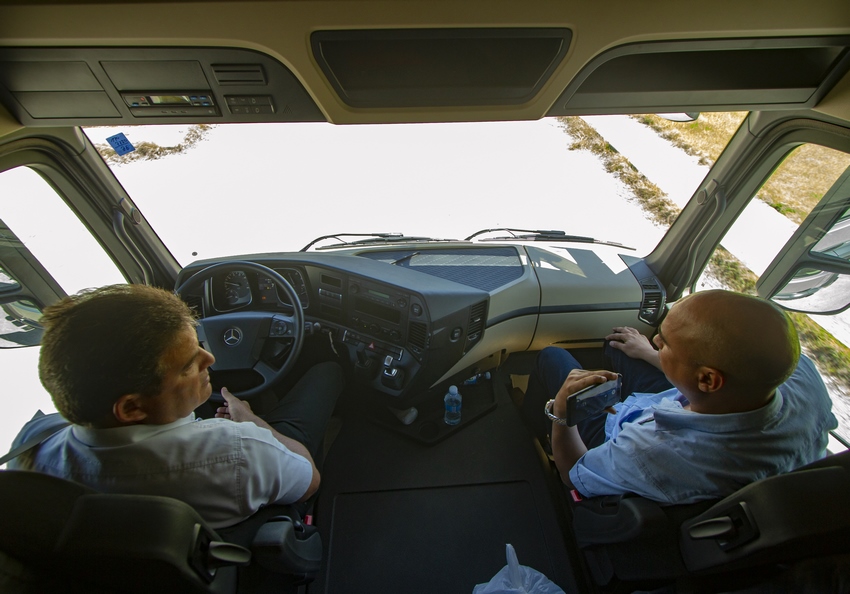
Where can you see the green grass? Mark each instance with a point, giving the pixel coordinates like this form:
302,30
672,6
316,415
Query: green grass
649,196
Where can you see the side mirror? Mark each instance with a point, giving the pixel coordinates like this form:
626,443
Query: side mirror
20,324
812,290
689,116
811,274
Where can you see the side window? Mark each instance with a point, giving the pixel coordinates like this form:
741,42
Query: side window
36,225
812,179
783,202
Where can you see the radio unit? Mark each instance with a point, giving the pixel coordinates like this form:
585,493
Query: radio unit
380,310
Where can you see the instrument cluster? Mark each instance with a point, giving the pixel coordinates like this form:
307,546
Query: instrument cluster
239,289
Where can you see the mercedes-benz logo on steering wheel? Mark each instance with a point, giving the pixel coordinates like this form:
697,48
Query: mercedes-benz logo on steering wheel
232,336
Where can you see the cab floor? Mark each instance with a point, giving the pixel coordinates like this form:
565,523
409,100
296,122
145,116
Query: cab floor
401,514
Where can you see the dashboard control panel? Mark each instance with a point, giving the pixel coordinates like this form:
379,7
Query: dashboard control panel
377,309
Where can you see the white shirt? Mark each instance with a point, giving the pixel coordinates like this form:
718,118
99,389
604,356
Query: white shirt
225,470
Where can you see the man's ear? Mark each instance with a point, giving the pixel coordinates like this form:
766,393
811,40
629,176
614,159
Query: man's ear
710,379
128,410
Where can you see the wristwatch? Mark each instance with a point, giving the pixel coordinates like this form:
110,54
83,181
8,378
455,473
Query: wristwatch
548,410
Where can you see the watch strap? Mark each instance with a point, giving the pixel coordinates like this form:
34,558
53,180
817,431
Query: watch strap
548,410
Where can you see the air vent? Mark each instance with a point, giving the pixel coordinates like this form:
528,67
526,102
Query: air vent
331,280
477,317
196,304
652,302
417,337
239,74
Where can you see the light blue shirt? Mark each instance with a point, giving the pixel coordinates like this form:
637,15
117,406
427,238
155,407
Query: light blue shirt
225,470
659,450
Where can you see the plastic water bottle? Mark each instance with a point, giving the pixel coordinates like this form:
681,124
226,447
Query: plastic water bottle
452,401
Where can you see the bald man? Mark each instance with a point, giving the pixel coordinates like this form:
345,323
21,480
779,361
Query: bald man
725,399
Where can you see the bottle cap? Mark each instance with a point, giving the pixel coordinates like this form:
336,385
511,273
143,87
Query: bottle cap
452,389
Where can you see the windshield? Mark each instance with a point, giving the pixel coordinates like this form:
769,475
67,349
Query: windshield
212,191
277,187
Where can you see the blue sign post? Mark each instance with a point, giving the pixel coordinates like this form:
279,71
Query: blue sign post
120,144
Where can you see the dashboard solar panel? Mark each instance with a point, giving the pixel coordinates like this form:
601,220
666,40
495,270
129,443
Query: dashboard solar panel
481,268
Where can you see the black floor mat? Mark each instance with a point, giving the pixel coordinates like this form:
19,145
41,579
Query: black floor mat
442,540
398,515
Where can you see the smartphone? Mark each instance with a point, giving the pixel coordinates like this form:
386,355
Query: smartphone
593,401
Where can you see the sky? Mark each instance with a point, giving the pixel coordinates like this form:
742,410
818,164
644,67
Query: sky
282,186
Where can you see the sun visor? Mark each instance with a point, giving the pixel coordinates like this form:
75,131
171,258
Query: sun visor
439,67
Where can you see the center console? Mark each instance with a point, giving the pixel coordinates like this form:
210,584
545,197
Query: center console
385,328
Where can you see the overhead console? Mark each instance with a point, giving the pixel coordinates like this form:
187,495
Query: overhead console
107,86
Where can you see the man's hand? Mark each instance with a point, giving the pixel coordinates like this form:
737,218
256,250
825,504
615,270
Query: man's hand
240,411
634,344
234,409
567,446
578,379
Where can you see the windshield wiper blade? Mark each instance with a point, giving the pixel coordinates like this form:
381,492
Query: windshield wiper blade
404,258
542,235
370,239
339,236
532,234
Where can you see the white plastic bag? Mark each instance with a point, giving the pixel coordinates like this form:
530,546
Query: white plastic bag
514,578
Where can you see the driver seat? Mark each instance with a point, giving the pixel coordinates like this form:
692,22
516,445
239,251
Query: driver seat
59,536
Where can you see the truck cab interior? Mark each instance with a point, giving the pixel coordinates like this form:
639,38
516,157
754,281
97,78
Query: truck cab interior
420,506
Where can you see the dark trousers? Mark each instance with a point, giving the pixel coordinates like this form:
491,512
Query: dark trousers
304,412
552,367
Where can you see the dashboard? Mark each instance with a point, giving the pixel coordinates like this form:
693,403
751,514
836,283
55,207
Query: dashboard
408,317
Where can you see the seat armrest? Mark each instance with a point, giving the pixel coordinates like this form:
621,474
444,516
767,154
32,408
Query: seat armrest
604,520
780,518
284,545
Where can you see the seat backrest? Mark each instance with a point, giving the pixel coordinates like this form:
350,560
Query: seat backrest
101,542
631,538
783,518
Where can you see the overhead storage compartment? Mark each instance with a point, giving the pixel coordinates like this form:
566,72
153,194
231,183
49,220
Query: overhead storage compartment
439,67
707,75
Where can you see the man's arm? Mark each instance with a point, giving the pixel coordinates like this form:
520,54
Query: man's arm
567,446
634,344
240,411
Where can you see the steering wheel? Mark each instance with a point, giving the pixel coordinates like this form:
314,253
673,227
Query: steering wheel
236,339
